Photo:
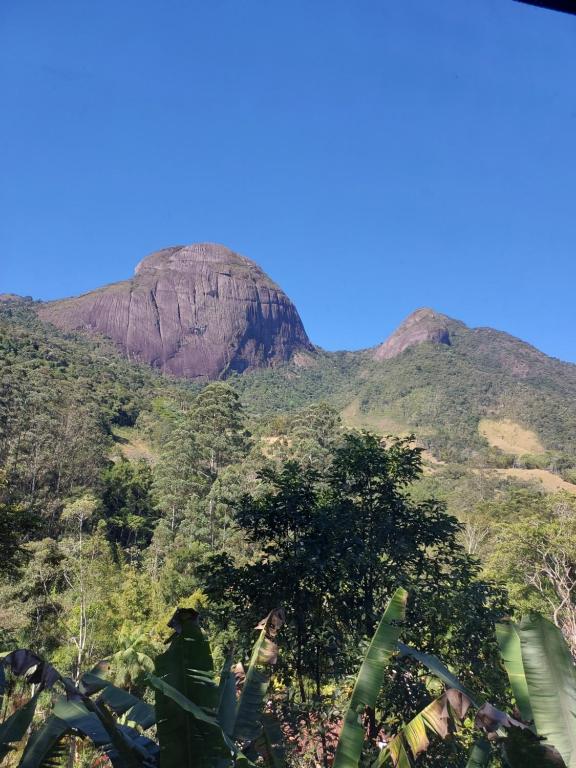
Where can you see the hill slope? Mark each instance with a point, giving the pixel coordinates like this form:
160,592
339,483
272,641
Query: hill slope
438,388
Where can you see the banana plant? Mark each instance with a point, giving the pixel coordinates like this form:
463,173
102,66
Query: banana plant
369,681
542,676
534,641
75,713
439,717
201,724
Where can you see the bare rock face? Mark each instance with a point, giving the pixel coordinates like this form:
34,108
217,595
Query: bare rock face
422,325
194,311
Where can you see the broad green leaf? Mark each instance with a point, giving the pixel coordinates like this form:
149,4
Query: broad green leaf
369,681
119,700
227,697
198,713
479,755
187,699
440,670
511,652
269,743
43,743
85,717
208,738
14,728
551,682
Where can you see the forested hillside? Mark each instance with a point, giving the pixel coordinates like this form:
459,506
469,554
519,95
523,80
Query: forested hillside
125,493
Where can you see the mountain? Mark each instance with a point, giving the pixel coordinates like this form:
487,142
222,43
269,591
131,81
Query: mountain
203,312
196,311
422,325
450,385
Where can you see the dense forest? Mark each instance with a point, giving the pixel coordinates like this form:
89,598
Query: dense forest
125,495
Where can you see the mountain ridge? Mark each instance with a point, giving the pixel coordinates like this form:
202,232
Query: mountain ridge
439,392
267,330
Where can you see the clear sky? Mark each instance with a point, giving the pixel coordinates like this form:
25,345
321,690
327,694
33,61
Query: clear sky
373,156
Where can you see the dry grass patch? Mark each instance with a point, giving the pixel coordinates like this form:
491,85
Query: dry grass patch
549,480
128,443
510,437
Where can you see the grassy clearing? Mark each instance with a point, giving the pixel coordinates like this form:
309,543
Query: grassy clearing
128,443
353,417
549,480
510,437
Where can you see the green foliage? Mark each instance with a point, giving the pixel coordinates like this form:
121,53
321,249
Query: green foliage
535,556
128,506
124,493
187,699
333,586
439,392
369,681
550,683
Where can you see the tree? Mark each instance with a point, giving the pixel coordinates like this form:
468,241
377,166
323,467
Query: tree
127,502
178,477
535,557
218,421
332,548
90,576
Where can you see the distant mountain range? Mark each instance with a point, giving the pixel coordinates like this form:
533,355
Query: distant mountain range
204,312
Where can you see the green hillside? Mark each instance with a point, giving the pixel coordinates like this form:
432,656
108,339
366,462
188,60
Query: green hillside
125,493
439,392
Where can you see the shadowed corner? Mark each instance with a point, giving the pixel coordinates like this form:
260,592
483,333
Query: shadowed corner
565,6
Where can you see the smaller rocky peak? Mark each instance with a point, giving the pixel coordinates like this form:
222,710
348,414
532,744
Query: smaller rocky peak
424,324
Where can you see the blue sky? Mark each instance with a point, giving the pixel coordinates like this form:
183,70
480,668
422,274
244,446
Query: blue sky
373,156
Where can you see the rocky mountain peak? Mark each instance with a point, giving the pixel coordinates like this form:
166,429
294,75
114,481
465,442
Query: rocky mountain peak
424,324
181,258
198,310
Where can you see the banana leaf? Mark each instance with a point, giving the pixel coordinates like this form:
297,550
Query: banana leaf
143,744
227,696
440,670
369,681
270,744
264,654
511,653
551,683
488,718
14,728
25,663
82,721
207,737
480,755
119,700
43,747
437,717
187,699
85,718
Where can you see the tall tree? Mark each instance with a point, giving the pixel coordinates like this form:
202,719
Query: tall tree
332,548
127,502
